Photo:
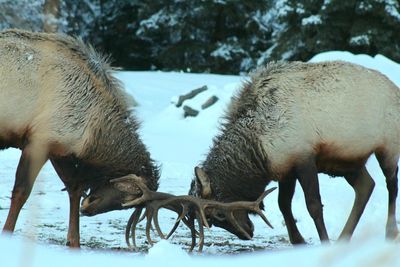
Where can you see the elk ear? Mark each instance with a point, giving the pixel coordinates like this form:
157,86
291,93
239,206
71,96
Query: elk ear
203,182
127,184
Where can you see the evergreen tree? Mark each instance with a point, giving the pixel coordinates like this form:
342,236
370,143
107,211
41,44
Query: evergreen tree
220,36
360,26
210,35
22,14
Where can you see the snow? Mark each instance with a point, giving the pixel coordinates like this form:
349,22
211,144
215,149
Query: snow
366,252
359,40
282,8
227,51
311,20
179,144
157,19
392,8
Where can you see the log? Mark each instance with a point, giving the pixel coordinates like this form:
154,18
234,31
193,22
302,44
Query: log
211,101
190,95
189,112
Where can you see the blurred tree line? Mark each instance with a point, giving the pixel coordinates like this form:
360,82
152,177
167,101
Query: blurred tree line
220,36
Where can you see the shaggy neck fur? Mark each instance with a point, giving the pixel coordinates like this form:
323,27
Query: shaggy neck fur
118,148
110,134
236,164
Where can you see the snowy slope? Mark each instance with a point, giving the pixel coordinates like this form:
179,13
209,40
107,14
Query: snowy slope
179,144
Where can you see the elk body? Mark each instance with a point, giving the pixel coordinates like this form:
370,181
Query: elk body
60,102
294,120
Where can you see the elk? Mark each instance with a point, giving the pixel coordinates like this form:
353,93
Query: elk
289,122
61,103
293,120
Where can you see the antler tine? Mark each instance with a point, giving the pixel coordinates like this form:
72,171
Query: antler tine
264,218
131,226
190,224
192,229
133,229
149,216
185,210
237,225
143,217
128,228
157,225
263,195
201,231
259,211
201,209
173,229
186,221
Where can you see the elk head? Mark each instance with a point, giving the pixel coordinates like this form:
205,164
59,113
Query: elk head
106,197
190,210
236,221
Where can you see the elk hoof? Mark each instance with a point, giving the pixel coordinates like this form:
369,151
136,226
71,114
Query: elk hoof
298,240
72,244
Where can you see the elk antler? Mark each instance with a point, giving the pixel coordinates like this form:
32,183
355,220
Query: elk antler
188,208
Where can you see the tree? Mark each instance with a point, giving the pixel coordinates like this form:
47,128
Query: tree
22,14
306,28
217,36
220,36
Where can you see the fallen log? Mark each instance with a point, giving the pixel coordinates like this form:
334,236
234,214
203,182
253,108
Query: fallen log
211,101
190,95
189,112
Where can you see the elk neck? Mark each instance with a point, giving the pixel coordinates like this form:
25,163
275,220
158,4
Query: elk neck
236,165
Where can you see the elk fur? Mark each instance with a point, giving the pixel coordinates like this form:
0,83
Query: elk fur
293,120
59,101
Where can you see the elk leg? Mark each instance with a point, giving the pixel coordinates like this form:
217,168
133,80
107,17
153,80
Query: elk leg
363,185
32,160
307,174
390,170
73,236
66,171
286,192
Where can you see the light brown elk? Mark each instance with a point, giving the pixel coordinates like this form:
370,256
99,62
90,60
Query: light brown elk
290,122
60,102
294,120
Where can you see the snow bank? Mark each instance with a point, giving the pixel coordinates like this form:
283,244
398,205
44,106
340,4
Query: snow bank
366,252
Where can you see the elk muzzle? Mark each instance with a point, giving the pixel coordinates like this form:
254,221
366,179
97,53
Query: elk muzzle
239,224
102,200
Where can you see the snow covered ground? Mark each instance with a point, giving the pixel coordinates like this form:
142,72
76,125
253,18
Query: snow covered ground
179,144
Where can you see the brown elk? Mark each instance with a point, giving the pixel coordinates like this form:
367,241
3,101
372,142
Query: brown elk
294,120
290,122
61,103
